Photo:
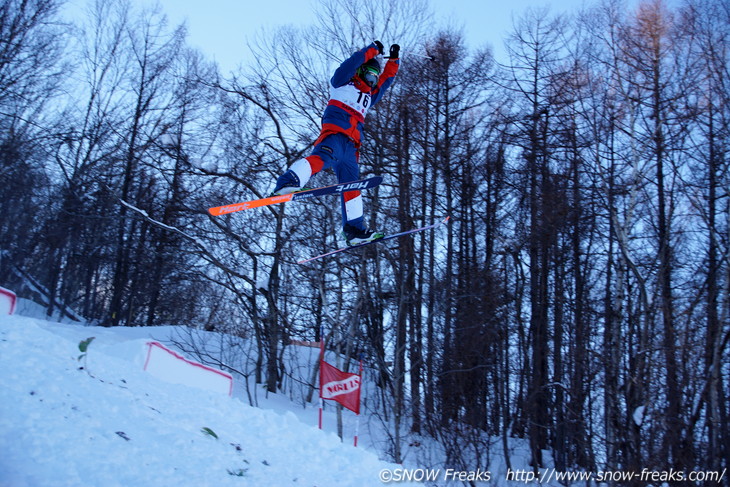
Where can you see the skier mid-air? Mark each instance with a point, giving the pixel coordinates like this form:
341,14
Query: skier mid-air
357,85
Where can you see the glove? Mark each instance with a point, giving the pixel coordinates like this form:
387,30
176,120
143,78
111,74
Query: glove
380,46
394,51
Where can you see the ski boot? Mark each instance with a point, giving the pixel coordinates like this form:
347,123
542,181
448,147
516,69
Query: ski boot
287,183
294,179
357,236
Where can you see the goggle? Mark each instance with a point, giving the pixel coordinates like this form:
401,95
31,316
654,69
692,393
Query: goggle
369,75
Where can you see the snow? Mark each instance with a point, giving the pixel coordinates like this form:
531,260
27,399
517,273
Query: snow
204,165
263,283
169,140
104,421
638,415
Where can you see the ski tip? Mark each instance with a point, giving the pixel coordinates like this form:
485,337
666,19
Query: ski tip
385,237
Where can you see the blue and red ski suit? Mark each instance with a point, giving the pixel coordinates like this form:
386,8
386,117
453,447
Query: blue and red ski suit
338,144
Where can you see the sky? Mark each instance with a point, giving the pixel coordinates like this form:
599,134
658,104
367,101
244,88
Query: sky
220,28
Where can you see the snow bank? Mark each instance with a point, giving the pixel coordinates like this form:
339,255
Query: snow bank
170,366
113,424
7,301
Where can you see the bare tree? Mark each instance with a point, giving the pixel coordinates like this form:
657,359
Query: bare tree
536,49
152,52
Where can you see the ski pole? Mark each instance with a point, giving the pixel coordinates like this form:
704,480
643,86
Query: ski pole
425,56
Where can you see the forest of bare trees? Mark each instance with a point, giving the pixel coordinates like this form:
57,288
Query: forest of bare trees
578,300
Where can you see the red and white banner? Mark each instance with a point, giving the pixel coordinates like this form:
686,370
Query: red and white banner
339,386
170,366
7,301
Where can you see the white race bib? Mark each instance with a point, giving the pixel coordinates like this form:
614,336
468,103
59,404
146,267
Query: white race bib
352,97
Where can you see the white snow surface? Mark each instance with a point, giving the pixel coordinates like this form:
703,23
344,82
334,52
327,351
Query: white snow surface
112,424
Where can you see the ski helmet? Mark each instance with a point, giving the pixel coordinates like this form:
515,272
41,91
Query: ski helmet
369,72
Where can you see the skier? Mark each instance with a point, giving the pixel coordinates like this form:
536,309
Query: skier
356,86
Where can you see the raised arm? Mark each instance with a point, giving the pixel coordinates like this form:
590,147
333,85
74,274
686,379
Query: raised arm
349,66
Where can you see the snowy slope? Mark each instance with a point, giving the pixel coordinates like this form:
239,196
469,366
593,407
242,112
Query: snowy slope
114,424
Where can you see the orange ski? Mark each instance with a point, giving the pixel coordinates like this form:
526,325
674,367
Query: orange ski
299,195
